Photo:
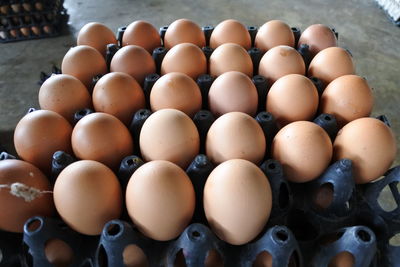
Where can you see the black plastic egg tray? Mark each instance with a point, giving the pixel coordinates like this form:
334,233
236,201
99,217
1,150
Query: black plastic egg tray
298,232
31,19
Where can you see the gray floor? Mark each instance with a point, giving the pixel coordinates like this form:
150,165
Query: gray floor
363,28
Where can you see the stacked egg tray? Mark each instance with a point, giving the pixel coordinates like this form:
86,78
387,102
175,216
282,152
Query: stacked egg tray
297,233
31,19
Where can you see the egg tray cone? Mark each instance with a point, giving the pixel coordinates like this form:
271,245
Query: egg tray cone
22,24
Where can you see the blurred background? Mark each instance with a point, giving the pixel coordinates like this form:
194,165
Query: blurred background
364,28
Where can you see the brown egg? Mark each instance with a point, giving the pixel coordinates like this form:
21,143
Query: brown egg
143,34
330,64
58,253
178,91
318,37
64,94
134,256
264,259
169,134
237,201
230,57
304,149
274,33
348,97
233,91
24,193
83,62
25,31
118,94
370,144
87,195
184,31
280,61
96,35
39,134
230,31
133,60
342,259
36,30
291,98
186,58
102,137
160,200
235,135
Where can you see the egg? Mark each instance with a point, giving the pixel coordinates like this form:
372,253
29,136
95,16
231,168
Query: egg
24,193
274,33
118,94
58,253
64,94
133,60
134,256
184,31
169,134
186,58
280,61
330,64
83,62
237,201
150,204
39,134
233,91
370,144
101,137
230,31
348,97
96,35
342,259
177,91
317,37
143,34
304,149
292,97
230,57
235,135
87,195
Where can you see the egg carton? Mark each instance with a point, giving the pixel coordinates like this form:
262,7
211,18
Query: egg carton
30,19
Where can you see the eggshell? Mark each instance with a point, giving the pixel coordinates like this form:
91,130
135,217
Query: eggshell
230,31
143,34
348,97
292,97
330,64
118,94
235,135
134,256
177,91
169,134
102,137
304,149
133,60
186,58
237,201
233,91
83,62
87,195
280,61
64,94
58,253
370,144
273,33
184,31
230,57
317,37
342,259
96,35
160,200
18,205
39,134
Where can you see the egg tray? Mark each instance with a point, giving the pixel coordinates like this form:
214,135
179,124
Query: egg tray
354,221
24,24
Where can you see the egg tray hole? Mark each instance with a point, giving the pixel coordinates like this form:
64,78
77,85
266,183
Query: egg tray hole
54,16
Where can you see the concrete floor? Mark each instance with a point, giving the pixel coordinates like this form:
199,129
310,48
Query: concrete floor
363,28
